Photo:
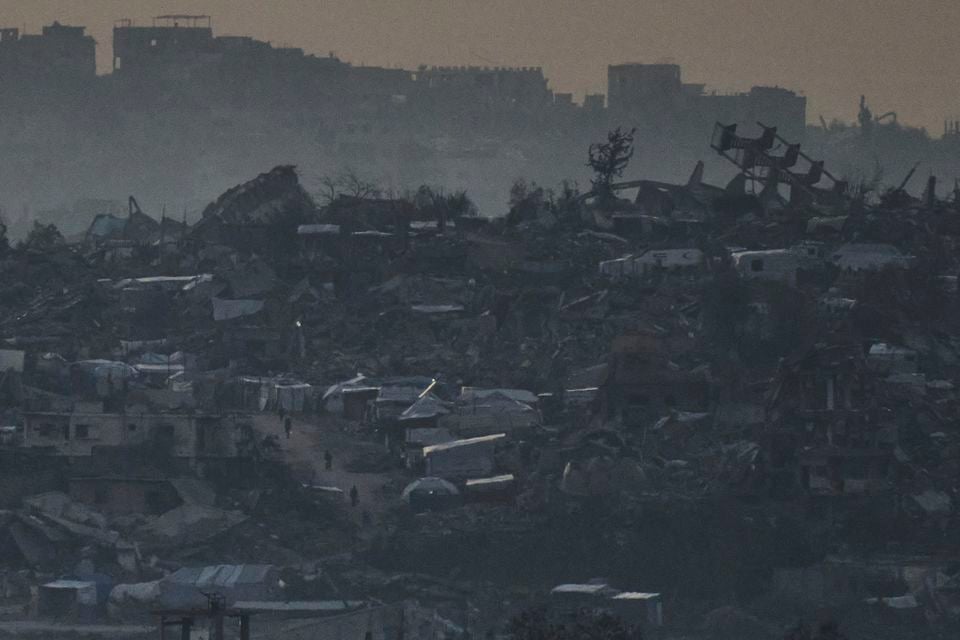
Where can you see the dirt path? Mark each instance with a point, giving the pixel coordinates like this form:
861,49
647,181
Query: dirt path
310,438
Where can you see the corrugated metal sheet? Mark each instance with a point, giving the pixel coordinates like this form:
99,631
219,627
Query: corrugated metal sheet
222,575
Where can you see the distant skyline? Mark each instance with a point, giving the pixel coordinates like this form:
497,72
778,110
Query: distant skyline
901,54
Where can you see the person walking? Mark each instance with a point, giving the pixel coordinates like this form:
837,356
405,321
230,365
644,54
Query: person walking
327,460
354,496
287,426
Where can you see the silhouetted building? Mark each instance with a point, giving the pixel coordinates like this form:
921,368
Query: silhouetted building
59,54
202,109
523,88
594,102
654,95
180,55
170,42
641,87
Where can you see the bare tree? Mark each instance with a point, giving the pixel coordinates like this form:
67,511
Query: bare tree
329,189
352,184
347,183
609,159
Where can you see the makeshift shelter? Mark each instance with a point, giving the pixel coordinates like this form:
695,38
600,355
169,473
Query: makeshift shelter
393,399
416,438
333,399
486,411
102,377
68,599
470,458
574,596
294,397
493,489
639,608
424,412
272,393
185,587
431,494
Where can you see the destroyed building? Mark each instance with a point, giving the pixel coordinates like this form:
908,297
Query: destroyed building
382,414
78,433
286,367
648,92
58,59
459,126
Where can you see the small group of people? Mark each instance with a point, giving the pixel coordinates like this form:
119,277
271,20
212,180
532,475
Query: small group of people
287,423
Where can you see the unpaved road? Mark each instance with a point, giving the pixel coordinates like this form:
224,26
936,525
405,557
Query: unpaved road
310,437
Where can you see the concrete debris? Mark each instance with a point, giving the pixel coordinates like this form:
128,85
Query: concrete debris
384,406
187,525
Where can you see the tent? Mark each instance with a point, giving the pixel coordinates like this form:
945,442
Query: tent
429,494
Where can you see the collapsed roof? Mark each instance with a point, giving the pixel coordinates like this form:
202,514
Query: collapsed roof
269,197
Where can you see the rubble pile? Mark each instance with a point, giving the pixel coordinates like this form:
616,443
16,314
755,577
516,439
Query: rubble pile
591,384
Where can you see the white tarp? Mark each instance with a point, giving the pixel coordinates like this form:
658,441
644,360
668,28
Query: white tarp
86,592
318,229
137,594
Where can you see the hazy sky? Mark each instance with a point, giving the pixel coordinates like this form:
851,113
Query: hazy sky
902,54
